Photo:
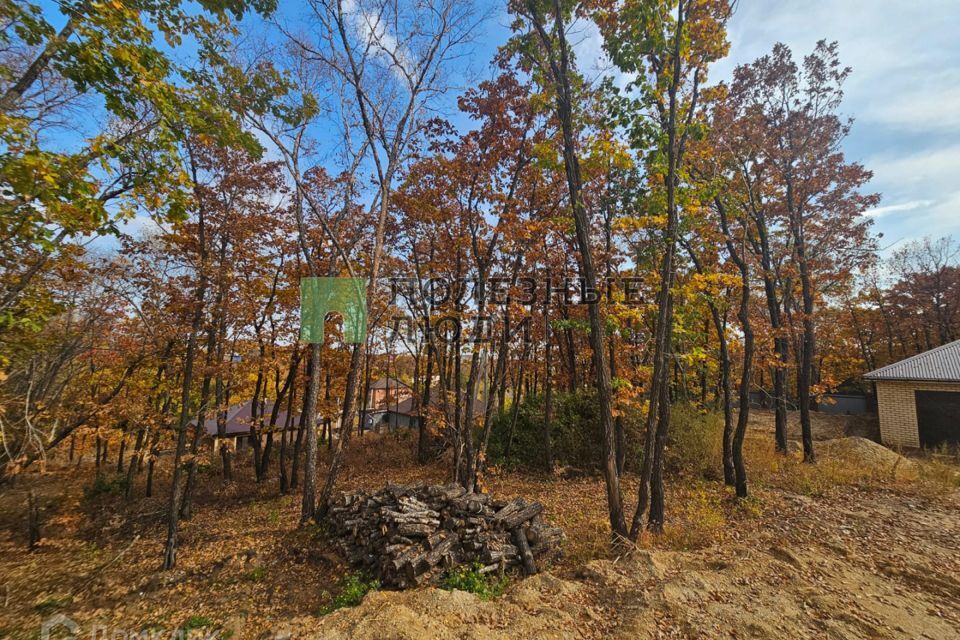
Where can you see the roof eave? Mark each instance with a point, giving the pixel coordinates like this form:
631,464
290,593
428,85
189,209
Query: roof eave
903,379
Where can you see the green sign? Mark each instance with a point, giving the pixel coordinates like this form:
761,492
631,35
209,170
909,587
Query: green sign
320,296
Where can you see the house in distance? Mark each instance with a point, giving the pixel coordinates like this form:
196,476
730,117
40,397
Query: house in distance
919,398
390,404
238,420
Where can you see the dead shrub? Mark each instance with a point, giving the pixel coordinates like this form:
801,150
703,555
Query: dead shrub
695,448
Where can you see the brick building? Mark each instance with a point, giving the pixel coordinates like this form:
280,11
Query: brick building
919,398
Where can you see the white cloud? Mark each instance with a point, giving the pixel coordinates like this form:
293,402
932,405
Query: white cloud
904,93
931,109
922,185
880,212
905,60
140,226
372,29
927,168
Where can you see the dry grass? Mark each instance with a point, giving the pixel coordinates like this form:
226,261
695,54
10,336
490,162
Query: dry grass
291,572
919,474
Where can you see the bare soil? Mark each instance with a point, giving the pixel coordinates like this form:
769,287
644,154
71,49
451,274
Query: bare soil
825,426
834,551
863,565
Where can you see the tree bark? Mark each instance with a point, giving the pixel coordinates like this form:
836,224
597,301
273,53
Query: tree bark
560,73
658,417
740,470
309,505
809,343
548,390
15,92
176,490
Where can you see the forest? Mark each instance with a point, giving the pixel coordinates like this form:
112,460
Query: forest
635,287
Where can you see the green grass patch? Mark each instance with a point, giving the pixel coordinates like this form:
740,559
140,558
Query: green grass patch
471,580
352,591
196,622
105,486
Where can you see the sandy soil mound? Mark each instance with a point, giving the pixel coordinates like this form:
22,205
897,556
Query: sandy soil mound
777,592
541,607
825,426
869,454
863,572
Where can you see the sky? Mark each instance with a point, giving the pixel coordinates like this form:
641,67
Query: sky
904,94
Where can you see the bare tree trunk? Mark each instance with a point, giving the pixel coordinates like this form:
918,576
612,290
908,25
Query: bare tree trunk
96,456
33,520
423,408
559,70
726,390
222,399
547,389
148,490
186,508
136,462
658,417
365,396
298,444
746,374
121,453
153,452
176,490
729,477
309,503
256,420
83,440
346,421
516,401
285,437
781,345
458,461
809,344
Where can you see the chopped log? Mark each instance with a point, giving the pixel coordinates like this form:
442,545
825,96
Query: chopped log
512,507
408,535
412,530
513,520
526,556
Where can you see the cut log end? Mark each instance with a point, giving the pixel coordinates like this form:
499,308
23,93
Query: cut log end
408,535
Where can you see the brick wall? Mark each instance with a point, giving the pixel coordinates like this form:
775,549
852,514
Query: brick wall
898,410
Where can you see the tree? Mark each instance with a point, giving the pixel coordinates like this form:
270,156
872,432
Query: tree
669,45
549,53
927,275
475,192
817,195
103,53
390,61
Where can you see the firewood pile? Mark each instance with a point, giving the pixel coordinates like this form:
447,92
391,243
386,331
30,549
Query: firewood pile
406,535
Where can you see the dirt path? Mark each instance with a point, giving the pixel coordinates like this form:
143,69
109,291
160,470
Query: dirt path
861,565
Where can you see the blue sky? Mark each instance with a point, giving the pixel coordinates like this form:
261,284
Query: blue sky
904,95
904,92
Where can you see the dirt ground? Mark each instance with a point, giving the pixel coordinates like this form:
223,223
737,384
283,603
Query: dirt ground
824,426
881,566
840,550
